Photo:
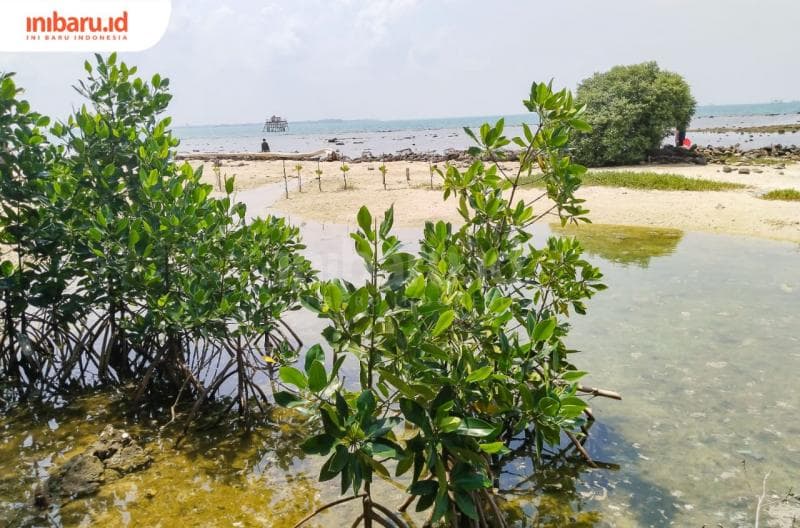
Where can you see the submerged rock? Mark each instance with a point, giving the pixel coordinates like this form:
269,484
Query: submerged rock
112,456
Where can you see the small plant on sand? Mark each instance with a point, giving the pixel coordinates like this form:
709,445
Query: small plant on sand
344,168
299,169
460,348
383,170
318,172
216,168
434,169
285,181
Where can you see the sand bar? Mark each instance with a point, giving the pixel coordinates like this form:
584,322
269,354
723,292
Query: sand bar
739,212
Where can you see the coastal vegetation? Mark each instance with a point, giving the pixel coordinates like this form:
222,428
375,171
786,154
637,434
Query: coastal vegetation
631,109
789,195
447,379
647,181
120,268
460,347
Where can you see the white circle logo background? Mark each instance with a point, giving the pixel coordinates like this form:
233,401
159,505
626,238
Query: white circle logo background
82,25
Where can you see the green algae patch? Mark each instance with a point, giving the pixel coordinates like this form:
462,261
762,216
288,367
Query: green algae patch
787,195
627,245
216,477
646,181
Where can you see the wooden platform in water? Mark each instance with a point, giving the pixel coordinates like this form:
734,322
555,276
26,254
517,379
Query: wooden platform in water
276,124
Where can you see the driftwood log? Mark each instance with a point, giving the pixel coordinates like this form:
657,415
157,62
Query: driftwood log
317,155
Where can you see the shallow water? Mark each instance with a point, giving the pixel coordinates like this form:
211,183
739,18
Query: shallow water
698,332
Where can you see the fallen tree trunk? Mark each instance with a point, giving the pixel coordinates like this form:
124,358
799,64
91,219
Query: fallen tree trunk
322,155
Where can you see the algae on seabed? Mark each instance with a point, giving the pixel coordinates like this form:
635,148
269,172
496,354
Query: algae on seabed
623,244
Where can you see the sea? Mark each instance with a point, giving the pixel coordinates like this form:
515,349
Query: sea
356,137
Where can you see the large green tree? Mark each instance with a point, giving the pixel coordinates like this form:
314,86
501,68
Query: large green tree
631,109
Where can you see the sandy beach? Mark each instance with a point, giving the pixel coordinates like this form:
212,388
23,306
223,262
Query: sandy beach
739,212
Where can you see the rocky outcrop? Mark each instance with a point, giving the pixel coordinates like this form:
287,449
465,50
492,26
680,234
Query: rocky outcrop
667,154
112,456
727,154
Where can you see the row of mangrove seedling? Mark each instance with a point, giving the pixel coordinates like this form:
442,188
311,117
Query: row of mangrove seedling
121,268
344,168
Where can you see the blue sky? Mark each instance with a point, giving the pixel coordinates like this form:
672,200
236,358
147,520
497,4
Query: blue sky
234,61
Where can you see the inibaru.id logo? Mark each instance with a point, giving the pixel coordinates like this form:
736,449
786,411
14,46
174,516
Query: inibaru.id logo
60,27
82,25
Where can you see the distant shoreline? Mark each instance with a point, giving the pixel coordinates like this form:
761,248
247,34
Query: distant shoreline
352,138
772,109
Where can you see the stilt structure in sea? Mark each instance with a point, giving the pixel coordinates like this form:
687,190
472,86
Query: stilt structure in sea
276,124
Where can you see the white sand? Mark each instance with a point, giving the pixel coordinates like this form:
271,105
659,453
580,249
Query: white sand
738,212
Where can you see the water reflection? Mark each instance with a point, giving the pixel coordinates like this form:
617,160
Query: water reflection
626,245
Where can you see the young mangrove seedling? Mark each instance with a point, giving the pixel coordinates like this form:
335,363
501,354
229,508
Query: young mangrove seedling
298,169
344,168
285,180
383,170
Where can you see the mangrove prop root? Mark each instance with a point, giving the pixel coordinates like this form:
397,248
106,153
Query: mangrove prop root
495,508
403,507
327,506
372,516
481,516
391,515
581,449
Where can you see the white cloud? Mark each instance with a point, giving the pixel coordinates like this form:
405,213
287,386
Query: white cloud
238,60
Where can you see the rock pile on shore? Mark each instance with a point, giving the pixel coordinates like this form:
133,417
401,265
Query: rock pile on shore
112,456
667,154
728,154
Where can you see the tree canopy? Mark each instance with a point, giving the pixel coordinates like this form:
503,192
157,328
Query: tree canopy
631,109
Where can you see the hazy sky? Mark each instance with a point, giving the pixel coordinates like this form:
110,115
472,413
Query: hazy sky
235,61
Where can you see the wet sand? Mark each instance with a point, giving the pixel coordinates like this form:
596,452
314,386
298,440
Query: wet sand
739,212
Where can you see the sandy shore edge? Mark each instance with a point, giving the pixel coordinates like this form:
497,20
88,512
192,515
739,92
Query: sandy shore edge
739,212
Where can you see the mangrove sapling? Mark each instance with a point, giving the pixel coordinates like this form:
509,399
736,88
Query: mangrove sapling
298,169
383,170
217,168
344,168
461,343
318,172
285,180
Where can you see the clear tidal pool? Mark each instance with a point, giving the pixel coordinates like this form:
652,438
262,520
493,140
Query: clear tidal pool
698,332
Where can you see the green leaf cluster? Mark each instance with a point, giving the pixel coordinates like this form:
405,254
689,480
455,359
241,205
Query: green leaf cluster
462,342
631,109
129,269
